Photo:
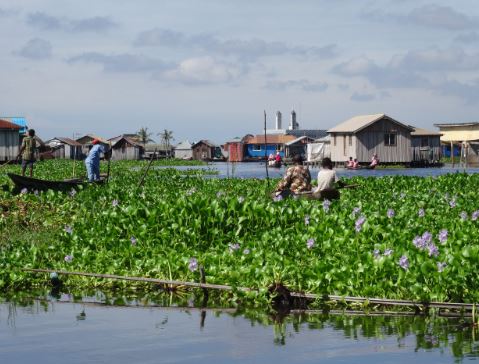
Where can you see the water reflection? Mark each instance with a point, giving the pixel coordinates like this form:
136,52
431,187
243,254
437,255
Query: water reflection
335,332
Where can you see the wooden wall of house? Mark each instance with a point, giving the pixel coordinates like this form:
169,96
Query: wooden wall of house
426,148
202,151
371,140
343,146
125,152
9,144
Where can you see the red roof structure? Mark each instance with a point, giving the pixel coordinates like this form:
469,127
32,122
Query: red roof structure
4,124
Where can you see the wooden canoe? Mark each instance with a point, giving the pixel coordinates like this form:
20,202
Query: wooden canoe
35,184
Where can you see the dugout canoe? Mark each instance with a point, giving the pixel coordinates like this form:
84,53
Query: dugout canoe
36,184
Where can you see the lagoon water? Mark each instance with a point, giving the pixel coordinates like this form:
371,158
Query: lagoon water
257,170
65,332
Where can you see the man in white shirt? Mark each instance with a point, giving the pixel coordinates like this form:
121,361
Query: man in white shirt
326,181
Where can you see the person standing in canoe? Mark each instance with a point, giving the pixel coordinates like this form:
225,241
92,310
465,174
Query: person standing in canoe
28,151
92,161
296,180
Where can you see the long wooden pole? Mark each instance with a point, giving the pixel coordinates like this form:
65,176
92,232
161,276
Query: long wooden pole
147,169
110,151
324,297
265,150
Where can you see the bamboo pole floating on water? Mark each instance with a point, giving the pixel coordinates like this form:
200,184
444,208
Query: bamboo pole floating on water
325,297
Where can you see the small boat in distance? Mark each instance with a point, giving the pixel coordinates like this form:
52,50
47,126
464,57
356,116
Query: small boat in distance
36,184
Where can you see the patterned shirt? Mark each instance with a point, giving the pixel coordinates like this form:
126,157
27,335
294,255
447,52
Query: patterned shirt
297,179
29,144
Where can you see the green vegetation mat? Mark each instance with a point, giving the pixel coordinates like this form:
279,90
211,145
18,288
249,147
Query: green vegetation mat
394,237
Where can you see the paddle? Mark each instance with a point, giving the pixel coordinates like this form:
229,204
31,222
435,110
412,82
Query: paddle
4,164
109,163
147,169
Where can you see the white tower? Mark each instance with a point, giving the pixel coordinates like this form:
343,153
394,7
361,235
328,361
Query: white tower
278,120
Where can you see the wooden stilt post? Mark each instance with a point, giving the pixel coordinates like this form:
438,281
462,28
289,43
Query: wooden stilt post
452,154
265,150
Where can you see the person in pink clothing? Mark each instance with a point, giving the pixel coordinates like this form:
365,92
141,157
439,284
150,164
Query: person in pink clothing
355,163
350,163
374,161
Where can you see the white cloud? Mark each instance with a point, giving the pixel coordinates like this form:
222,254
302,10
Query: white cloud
202,70
45,21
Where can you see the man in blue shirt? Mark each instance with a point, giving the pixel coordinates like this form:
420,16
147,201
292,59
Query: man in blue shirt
92,161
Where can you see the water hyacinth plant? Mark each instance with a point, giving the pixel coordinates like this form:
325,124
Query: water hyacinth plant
349,248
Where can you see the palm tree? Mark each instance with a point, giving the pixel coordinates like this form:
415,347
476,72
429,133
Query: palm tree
144,136
167,136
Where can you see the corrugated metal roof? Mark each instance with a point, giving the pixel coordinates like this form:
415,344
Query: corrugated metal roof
312,133
458,125
299,139
357,123
424,132
68,141
271,139
91,137
204,141
184,145
4,124
129,140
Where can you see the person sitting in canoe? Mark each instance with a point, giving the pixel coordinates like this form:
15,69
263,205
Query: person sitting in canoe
356,164
92,161
350,163
374,161
278,160
296,180
327,180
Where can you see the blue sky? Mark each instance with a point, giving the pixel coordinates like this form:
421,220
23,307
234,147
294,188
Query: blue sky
207,69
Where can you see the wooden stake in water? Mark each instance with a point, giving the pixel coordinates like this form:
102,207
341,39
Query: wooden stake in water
265,151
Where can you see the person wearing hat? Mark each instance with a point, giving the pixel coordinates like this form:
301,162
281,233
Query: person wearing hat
296,180
92,161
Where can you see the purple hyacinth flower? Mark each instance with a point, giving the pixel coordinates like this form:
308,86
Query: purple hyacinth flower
433,250
388,252
326,204
475,215
427,238
68,258
402,195
306,220
72,193
240,199
391,213
452,203
36,192
359,223
233,247
219,194
404,262
24,191
418,242
421,213
193,264
276,198
133,241
114,203
246,251
356,210
310,243
190,192
68,229
442,236
376,253
441,266
463,215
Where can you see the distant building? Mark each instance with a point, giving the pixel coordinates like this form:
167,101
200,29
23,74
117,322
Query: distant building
362,136
125,148
18,120
234,148
86,142
258,148
183,150
159,150
9,140
65,148
426,146
206,150
462,139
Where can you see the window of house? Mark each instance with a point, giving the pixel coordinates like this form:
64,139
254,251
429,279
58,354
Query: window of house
424,142
256,147
350,140
390,139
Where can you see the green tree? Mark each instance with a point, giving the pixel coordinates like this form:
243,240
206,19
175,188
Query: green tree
144,136
167,137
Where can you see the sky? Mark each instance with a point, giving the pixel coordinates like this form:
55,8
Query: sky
208,69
